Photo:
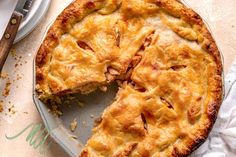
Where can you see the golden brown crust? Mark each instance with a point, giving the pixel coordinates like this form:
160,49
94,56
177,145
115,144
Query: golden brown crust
210,46
217,93
195,31
64,22
174,7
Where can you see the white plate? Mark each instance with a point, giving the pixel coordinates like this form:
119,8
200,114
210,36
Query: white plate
35,6
34,20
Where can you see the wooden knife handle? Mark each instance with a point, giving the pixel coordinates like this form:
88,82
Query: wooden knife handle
9,36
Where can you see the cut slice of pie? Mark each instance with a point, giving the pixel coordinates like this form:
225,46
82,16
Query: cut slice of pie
165,59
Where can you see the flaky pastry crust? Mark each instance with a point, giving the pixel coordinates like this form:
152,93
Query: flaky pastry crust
166,58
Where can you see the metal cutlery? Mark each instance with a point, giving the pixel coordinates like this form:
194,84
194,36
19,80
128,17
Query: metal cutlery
22,8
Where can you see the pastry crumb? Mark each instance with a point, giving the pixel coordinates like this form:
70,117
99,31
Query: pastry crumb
81,104
91,116
73,125
56,110
1,106
18,77
13,52
12,110
97,121
4,75
6,90
74,137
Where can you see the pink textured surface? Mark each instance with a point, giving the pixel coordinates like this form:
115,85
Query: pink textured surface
218,14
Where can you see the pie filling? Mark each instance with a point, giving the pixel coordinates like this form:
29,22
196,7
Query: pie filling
168,78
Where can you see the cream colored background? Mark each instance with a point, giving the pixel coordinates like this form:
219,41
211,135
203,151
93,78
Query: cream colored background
218,14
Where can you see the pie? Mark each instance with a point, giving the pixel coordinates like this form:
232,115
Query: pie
164,59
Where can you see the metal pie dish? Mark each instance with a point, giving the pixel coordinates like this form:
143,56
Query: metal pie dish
95,103
72,142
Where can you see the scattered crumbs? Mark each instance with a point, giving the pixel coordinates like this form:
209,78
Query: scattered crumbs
54,106
81,104
29,54
25,112
73,125
6,90
56,110
17,58
12,110
13,52
4,75
91,116
1,106
97,121
232,26
18,77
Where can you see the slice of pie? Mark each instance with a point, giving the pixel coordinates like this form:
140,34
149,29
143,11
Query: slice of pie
165,60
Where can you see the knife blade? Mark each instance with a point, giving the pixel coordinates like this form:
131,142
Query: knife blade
23,6
8,38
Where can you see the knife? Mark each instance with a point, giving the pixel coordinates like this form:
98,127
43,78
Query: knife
7,40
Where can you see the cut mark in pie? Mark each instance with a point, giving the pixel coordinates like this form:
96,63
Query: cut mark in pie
178,67
145,125
167,103
84,46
